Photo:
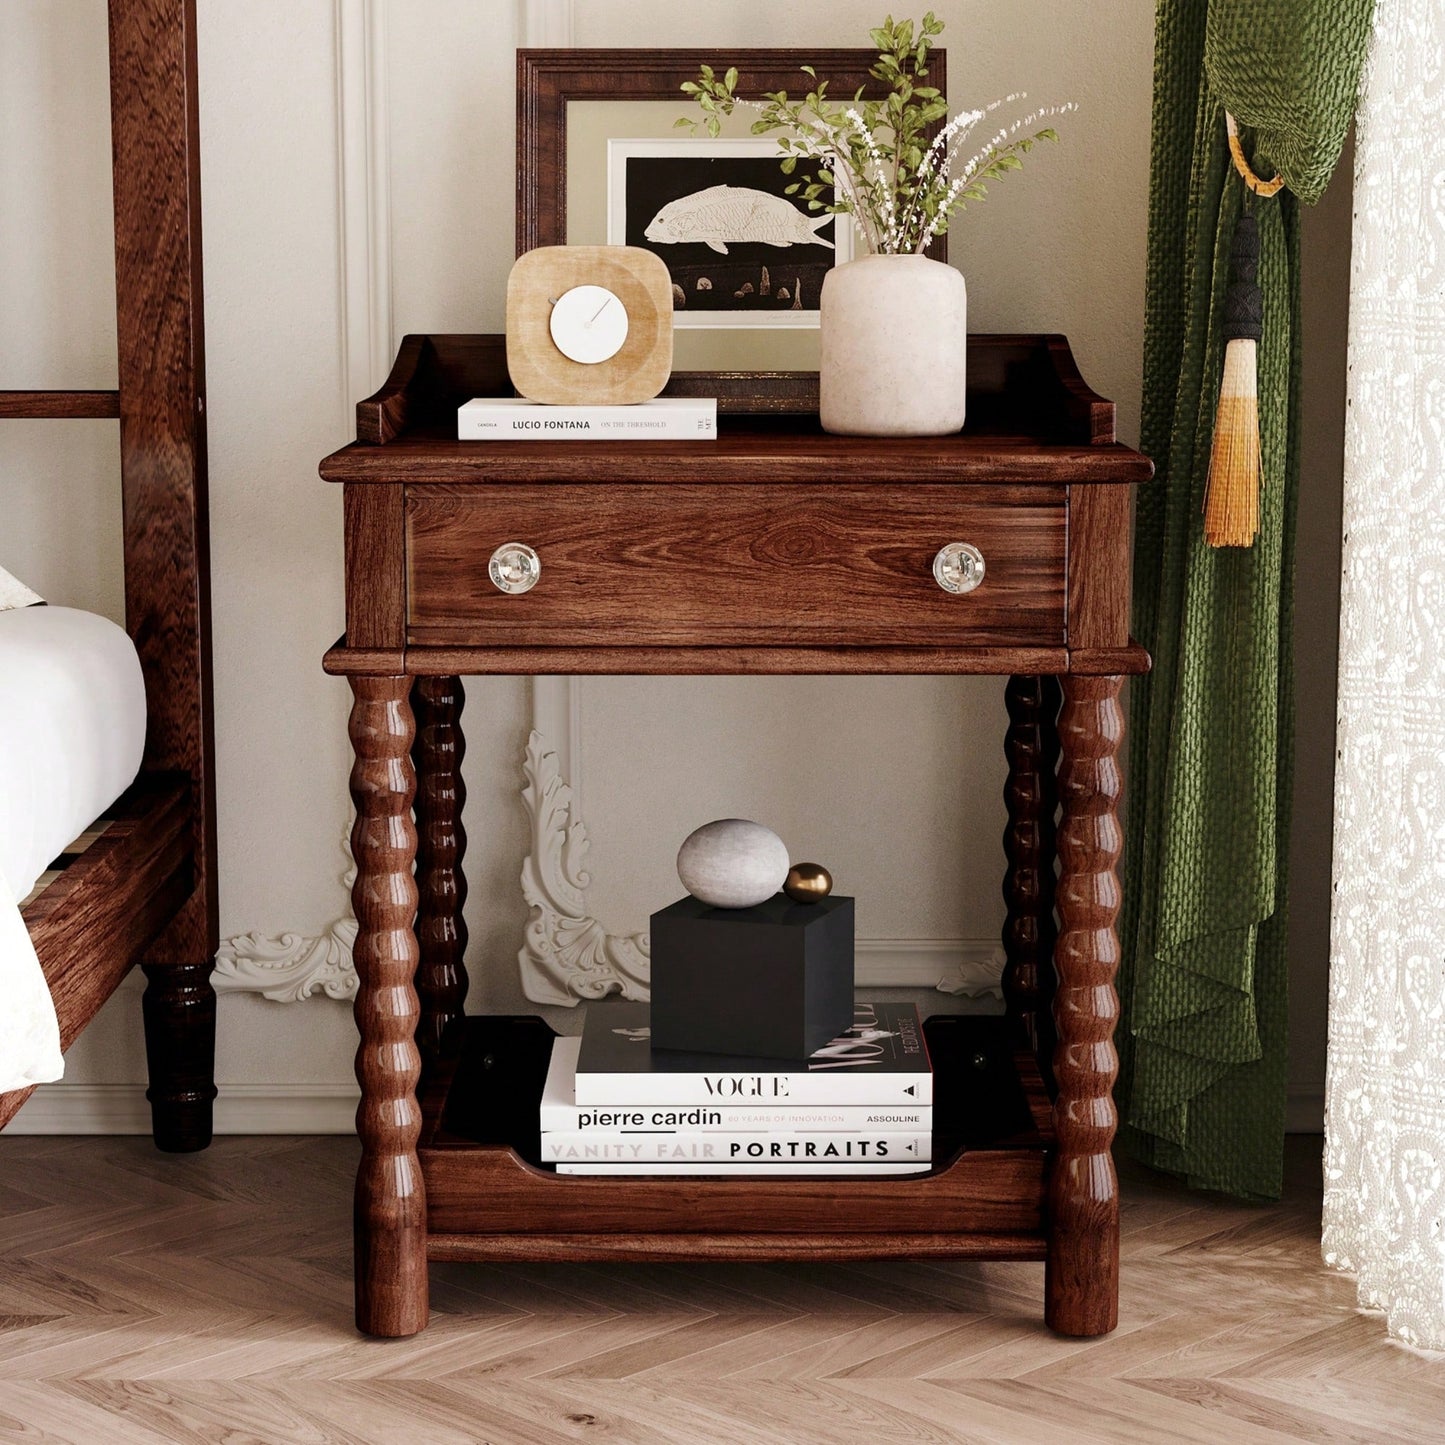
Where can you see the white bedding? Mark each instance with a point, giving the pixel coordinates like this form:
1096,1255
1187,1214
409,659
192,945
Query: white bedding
72,730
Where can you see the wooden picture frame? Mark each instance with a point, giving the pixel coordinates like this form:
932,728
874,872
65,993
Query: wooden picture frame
548,80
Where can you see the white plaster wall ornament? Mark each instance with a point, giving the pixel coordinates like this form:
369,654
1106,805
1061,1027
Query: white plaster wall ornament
290,967
977,977
567,957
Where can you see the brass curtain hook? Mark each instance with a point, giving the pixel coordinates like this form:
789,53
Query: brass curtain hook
1259,187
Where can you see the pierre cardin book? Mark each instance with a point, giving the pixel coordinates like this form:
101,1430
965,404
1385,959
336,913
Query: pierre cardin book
562,1114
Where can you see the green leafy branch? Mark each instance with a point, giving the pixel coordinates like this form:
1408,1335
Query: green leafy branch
873,158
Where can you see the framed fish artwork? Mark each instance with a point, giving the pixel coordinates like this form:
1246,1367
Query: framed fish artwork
600,161
739,249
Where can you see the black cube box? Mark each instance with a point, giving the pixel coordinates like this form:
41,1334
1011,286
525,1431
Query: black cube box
774,981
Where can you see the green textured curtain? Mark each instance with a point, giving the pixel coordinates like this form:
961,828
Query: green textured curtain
1202,976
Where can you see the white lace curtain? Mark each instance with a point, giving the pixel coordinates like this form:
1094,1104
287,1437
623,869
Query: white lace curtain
1384,1213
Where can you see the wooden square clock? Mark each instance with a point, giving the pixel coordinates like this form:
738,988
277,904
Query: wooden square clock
589,324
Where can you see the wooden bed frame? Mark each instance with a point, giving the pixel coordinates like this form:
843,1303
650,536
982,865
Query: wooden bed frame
145,890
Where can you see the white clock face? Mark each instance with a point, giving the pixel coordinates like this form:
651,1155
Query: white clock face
589,324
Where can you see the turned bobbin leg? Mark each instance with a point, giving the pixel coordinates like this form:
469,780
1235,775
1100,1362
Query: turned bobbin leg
179,1010
1082,1275
441,930
390,1211
1031,746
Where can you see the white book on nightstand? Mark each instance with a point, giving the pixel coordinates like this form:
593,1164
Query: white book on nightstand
510,418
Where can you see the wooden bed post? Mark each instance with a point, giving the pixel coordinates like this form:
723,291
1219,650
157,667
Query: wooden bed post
161,355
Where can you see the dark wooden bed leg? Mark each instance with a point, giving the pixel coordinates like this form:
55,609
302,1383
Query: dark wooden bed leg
390,1208
1031,796
179,1007
441,929
1081,1285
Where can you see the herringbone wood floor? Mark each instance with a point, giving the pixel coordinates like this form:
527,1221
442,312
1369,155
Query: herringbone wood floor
207,1299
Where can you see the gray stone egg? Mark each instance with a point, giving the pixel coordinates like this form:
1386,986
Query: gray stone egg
732,863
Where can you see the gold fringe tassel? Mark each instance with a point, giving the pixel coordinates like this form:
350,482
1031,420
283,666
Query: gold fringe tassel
1231,501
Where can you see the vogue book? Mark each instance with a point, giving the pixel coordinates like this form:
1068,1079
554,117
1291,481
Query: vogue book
881,1060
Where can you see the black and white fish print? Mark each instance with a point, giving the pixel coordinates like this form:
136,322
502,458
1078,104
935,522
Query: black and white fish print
721,214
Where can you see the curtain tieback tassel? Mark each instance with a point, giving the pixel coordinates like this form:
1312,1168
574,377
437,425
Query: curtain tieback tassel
1231,499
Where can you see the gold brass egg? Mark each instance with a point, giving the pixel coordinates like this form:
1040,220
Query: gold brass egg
808,883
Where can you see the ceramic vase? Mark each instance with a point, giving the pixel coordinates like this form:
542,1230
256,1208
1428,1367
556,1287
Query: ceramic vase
894,333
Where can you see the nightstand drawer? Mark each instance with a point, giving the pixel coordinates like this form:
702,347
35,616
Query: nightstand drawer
682,565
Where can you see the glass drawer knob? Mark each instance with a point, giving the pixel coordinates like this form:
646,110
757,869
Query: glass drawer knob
958,567
514,568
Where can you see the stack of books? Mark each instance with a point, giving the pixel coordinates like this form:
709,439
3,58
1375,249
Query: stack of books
860,1105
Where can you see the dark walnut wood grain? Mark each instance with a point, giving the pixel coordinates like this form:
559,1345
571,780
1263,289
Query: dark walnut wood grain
390,1205
161,366
777,549
548,80
148,887
1026,403
1031,745
441,795
491,1190
681,565
480,1149
179,1008
1081,1284
746,454
375,536
1100,566
99,915
960,660
813,1245
71,405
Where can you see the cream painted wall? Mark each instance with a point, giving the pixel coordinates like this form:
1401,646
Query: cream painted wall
899,784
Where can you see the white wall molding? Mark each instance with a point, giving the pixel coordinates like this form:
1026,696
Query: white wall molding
289,967
239,1109
321,1109
363,198
566,956
557,715
292,966
544,24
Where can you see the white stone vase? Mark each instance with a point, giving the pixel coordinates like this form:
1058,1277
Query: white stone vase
894,347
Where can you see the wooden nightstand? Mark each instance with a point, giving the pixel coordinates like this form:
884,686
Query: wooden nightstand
775,549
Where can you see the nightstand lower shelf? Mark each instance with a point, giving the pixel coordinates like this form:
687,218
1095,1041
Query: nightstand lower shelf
489,1197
